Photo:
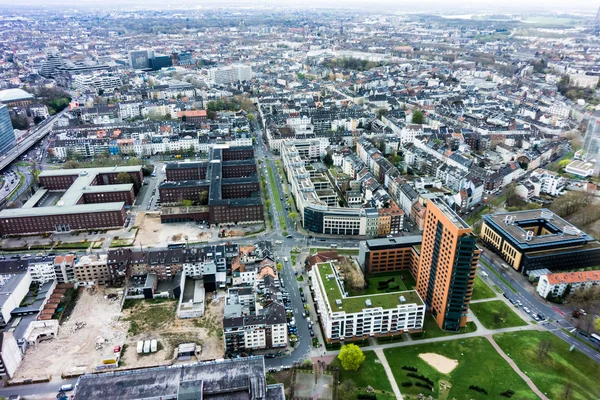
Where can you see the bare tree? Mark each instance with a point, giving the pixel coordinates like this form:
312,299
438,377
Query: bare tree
544,348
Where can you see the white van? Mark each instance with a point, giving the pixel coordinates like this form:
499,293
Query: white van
285,259
66,388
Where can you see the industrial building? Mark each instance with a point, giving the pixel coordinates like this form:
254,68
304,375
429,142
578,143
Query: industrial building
538,239
240,379
89,199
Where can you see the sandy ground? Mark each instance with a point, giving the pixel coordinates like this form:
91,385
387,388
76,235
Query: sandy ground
172,332
443,364
152,233
74,350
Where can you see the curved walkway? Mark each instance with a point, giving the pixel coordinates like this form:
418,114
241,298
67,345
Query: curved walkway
516,368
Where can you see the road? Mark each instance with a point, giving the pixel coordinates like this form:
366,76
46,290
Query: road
534,303
39,132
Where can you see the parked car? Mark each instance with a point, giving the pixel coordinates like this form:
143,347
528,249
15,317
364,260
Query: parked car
312,333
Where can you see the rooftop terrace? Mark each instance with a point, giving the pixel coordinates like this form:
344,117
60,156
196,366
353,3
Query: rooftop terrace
329,285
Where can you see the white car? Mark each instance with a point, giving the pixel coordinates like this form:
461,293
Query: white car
527,310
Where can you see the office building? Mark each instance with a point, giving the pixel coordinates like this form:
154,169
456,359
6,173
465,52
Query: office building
7,133
558,284
538,239
90,199
346,317
240,379
447,265
390,254
139,59
158,62
591,142
228,183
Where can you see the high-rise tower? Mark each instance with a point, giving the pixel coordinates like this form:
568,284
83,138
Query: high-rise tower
447,265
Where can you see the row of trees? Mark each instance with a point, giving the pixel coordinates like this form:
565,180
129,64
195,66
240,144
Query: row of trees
351,63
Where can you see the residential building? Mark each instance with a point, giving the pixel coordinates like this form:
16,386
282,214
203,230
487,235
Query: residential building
558,284
92,270
11,295
42,269
537,239
447,264
591,142
345,317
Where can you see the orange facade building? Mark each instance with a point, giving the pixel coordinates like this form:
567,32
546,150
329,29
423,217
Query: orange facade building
447,263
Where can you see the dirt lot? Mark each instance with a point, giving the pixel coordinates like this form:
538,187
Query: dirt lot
74,350
152,233
157,320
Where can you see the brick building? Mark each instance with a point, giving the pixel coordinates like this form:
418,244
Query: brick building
90,199
228,180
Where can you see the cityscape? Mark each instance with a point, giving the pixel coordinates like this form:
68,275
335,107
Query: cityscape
268,201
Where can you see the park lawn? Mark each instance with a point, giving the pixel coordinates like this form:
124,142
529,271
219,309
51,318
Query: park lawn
403,279
552,373
481,290
478,364
496,314
370,373
432,330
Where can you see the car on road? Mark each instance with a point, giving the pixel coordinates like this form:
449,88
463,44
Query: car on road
272,369
527,310
312,333
270,355
541,316
310,325
66,388
289,236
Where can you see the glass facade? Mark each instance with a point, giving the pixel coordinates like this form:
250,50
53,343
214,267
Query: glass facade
7,133
459,282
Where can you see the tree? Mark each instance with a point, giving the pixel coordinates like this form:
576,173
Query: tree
328,159
187,203
293,215
279,267
351,357
251,117
597,324
417,117
123,178
381,112
204,198
19,122
544,348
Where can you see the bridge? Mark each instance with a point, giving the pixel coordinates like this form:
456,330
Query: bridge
39,132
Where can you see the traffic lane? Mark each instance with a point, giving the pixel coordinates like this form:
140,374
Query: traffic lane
49,388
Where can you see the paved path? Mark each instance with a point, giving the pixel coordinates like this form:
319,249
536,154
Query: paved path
516,368
388,372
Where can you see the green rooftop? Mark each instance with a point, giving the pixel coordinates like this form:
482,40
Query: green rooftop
358,303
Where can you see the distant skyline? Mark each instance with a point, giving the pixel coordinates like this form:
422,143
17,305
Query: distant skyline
433,6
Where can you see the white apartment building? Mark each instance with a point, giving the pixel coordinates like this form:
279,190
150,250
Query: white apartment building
106,83
551,182
230,74
129,110
12,293
556,284
42,271
351,318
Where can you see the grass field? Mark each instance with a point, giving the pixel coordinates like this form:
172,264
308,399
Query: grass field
276,198
496,314
481,290
371,373
478,364
346,252
403,279
432,330
553,373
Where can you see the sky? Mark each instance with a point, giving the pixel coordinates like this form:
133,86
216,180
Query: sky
451,6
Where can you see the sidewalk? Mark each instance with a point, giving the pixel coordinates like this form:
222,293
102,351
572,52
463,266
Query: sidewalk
388,372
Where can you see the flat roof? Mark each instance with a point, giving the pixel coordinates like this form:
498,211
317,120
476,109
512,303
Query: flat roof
90,171
222,380
512,224
355,304
390,243
76,209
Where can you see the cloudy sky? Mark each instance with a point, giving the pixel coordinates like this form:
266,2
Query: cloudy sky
451,6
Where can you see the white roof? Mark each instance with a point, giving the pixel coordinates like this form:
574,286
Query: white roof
14,95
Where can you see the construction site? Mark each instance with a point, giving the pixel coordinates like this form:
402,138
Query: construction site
103,329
